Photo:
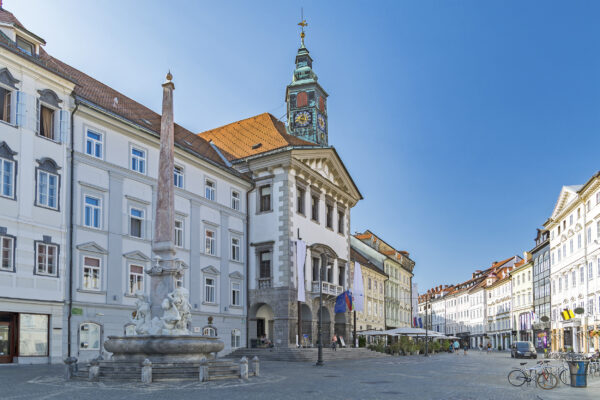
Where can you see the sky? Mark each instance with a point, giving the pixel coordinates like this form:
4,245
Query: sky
459,121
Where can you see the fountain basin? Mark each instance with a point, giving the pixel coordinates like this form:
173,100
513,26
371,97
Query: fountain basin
163,348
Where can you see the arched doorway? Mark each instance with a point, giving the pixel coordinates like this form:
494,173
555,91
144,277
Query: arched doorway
261,323
325,326
307,336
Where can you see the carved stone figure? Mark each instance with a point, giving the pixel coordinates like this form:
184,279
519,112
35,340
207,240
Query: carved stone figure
141,316
176,313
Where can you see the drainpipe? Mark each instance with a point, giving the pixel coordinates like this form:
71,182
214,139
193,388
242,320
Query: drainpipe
248,264
71,225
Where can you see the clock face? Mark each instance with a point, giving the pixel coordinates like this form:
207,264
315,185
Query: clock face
321,122
302,118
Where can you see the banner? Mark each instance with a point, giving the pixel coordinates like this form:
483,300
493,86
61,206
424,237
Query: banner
343,302
300,259
358,291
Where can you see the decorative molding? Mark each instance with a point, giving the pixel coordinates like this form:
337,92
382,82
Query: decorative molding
136,255
236,275
211,270
137,200
6,152
91,247
7,78
49,97
48,164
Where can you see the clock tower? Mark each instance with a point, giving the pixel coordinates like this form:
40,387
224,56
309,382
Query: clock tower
306,100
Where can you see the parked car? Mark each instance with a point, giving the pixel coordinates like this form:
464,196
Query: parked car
523,350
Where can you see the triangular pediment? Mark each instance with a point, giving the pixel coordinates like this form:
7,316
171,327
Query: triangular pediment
211,270
325,163
136,255
92,247
566,196
236,275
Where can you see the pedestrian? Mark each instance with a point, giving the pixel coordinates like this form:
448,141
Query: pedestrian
489,347
334,342
465,348
450,348
456,346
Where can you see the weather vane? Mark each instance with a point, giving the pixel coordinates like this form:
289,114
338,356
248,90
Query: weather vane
302,23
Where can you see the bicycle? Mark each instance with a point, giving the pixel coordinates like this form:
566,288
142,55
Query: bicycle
541,375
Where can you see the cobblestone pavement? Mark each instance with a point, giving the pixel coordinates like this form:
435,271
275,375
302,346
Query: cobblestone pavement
443,376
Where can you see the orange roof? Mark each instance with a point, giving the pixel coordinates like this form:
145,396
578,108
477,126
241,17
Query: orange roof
251,136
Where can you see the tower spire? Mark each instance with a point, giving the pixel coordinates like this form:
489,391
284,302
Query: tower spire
302,23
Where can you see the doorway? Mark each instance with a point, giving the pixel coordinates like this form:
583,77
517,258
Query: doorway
260,328
7,337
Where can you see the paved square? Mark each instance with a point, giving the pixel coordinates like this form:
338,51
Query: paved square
444,376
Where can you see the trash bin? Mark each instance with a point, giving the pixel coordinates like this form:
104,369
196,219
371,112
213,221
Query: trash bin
578,370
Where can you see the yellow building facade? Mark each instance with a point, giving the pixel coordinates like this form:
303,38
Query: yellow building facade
373,315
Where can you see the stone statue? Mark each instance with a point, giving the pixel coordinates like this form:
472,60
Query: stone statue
141,316
176,313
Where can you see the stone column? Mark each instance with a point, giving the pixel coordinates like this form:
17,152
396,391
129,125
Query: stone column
166,269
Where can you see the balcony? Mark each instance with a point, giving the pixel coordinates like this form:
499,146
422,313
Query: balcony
264,283
328,288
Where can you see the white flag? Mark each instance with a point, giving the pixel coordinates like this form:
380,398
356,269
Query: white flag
358,291
300,259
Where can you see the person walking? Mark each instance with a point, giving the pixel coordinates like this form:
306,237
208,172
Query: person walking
465,348
334,342
456,346
489,348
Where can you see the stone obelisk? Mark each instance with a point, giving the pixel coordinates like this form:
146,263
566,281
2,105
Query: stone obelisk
166,269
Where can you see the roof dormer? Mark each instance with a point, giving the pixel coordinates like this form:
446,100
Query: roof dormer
26,41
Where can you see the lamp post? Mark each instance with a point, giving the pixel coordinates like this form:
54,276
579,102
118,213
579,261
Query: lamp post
426,331
320,330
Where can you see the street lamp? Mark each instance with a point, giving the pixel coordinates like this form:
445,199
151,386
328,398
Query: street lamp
426,331
320,330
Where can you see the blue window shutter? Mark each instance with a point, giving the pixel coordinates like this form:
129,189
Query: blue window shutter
21,108
65,125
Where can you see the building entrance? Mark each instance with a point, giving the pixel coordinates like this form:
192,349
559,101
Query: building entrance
7,338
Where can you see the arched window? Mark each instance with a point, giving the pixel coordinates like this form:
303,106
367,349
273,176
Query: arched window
89,336
209,331
236,338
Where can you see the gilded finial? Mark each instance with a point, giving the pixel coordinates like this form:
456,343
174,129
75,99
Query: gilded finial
302,23
169,76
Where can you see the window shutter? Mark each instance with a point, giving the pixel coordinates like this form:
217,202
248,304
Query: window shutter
37,116
65,125
21,109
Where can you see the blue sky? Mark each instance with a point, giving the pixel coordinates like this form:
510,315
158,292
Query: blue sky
458,120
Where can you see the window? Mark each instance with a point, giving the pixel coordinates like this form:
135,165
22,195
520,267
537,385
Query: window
7,178
300,207
136,279
46,120
236,290
209,190
91,213
209,290
209,332
315,207
581,276
178,233
590,270
5,104
47,191
209,243
265,264
178,176
571,246
89,336
138,160
235,200
570,219
574,278
558,254
7,247
589,235
235,249
91,273
341,216
329,216
25,46
591,307
579,241
265,198
33,335
136,219
93,144
236,338
369,285
46,259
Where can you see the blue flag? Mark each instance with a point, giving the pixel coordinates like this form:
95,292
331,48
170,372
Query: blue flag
420,322
340,303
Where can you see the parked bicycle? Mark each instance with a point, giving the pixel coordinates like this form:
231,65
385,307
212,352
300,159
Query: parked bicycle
541,374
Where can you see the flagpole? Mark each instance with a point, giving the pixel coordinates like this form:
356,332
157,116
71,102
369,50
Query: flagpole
355,343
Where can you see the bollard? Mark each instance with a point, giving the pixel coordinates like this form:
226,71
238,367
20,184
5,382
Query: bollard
244,368
203,371
71,367
255,366
94,371
146,371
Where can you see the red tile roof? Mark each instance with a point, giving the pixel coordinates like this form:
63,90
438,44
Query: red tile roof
251,136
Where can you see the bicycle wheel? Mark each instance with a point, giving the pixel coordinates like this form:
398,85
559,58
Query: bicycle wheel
565,376
547,380
516,377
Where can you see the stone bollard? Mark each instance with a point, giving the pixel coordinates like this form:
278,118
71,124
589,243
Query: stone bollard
255,366
71,367
244,368
94,371
146,371
203,371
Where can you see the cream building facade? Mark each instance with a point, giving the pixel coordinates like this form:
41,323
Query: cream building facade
522,300
575,266
373,315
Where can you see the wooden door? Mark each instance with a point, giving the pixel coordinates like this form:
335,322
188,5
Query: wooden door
7,347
